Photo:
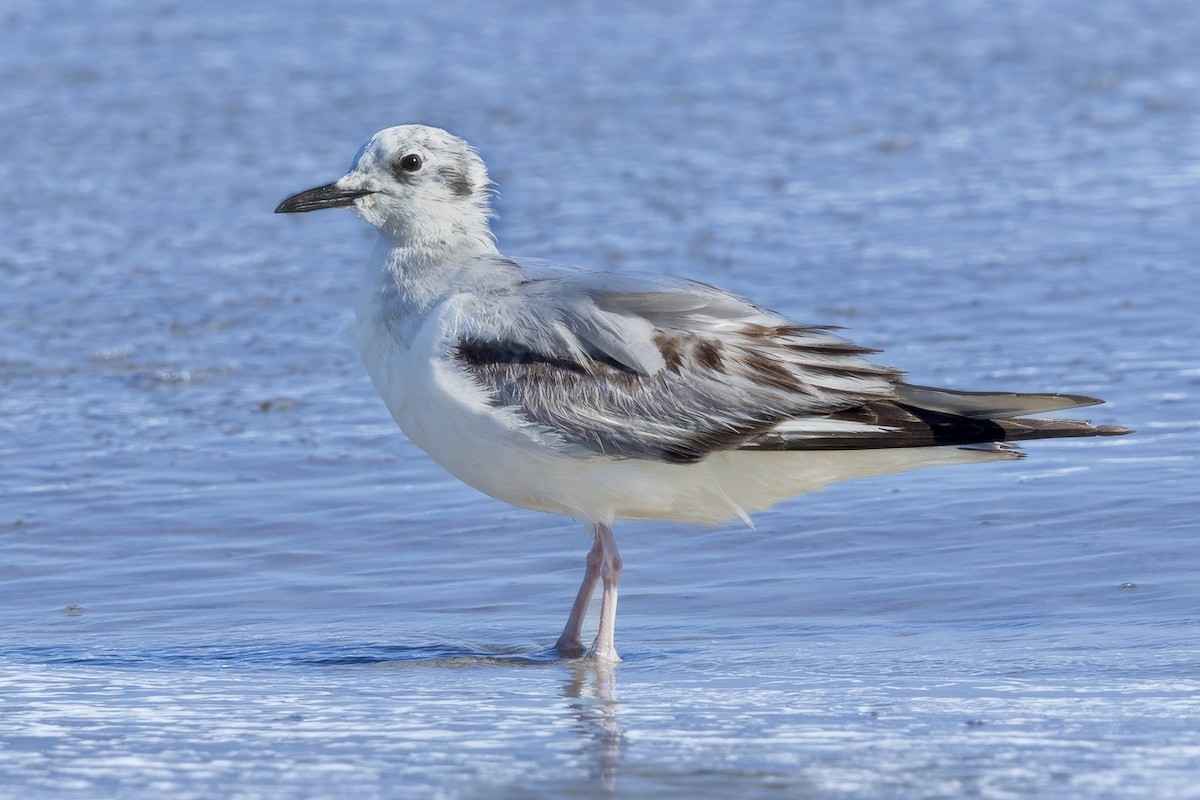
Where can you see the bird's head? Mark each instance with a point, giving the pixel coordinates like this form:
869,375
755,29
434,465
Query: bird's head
417,184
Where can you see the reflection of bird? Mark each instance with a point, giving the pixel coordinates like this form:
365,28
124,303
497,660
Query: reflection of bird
596,715
620,396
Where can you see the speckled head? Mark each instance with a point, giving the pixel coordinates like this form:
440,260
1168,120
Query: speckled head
412,182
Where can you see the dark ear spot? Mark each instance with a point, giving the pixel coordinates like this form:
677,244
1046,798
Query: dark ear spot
457,181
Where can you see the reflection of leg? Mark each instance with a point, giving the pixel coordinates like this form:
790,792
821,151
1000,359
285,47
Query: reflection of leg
571,643
610,740
596,713
610,574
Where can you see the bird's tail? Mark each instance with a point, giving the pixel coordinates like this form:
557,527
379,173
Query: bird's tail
988,405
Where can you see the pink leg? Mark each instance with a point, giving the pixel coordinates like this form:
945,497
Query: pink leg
603,565
610,574
571,642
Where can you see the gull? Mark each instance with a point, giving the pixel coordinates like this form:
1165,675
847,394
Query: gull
607,396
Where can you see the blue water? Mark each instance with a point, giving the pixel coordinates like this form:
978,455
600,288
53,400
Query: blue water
224,573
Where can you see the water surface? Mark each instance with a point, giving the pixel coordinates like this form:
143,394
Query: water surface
224,573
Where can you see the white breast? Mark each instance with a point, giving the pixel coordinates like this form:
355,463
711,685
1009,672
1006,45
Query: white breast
442,411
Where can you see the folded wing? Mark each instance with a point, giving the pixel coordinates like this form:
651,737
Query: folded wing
660,368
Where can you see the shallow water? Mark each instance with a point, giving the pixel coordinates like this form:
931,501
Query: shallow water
226,574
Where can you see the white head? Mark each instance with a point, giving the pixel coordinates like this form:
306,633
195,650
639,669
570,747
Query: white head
421,186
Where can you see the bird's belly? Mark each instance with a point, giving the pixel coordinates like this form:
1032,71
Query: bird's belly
442,411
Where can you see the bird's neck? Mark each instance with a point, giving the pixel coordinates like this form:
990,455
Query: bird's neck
423,271
439,234
417,253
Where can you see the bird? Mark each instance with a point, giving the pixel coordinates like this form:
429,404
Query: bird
607,396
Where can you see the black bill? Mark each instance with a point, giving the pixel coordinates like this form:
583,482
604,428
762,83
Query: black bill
328,196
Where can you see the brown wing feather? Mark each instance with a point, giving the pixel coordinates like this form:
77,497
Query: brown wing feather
713,392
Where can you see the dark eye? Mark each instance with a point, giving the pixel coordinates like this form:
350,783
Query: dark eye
410,163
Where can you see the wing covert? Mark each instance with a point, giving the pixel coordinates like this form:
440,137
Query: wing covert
663,369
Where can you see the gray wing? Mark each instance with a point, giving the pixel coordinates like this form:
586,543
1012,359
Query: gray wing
655,367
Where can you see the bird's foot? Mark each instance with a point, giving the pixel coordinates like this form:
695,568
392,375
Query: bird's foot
604,655
575,649
568,648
